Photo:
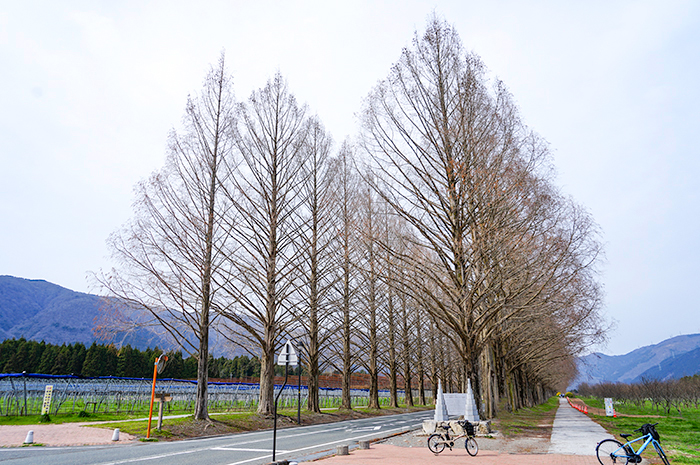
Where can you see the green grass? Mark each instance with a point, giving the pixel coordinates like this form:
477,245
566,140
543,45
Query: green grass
680,435
533,420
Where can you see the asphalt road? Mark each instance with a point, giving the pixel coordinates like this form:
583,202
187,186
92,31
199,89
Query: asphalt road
296,443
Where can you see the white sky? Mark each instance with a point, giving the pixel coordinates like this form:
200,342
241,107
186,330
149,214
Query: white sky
89,90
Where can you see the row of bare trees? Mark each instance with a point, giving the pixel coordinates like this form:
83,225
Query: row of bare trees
503,262
667,395
435,247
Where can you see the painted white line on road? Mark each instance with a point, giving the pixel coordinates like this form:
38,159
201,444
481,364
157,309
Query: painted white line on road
239,449
315,446
160,456
154,457
366,428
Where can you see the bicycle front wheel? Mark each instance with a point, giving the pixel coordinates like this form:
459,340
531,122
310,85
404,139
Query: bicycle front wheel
435,443
661,453
471,446
610,452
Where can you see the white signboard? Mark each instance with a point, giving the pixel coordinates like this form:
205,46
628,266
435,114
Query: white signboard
288,355
609,409
46,406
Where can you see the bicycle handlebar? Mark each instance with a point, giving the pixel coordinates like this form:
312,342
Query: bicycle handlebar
640,428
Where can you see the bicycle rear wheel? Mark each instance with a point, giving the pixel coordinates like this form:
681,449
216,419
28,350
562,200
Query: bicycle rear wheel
471,446
610,452
436,443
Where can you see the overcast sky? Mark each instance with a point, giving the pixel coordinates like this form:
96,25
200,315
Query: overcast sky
89,91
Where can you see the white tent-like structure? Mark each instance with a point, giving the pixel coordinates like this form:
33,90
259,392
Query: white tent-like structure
456,405
471,412
440,407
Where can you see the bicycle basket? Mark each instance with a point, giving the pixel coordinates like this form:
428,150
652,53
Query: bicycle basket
649,429
469,429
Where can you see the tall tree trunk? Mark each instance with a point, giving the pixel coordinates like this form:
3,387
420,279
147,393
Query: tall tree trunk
200,406
419,354
393,368
266,398
406,353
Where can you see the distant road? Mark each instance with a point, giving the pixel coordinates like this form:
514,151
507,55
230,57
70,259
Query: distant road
246,448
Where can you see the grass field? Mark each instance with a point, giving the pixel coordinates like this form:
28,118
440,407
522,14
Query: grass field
535,421
680,434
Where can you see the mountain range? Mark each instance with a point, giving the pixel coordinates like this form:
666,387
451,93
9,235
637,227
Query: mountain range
670,359
39,310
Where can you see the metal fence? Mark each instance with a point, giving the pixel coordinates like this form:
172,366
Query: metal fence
23,394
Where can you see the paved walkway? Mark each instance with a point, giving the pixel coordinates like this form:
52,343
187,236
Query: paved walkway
574,439
394,455
573,433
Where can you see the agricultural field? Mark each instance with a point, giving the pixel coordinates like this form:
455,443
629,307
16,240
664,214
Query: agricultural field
108,398
680,432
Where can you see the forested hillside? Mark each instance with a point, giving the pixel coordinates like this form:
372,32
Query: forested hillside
18,355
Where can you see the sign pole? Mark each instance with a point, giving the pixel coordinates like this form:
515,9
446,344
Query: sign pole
287,357
299,390
274,429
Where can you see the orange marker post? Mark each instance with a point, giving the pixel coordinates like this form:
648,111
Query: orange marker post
153,389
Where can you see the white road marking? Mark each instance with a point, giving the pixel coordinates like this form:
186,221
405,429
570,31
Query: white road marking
313,447
160,456
238,449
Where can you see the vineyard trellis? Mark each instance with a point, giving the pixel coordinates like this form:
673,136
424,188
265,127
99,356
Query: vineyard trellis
23,393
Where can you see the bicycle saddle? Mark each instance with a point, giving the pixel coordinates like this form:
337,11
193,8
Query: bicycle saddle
625,435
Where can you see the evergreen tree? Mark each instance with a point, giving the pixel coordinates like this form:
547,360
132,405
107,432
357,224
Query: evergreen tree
63,359
125,364
48,359
18,362
36,349
110,358
130,362
78,358
175,366
7,351
190,369
92,366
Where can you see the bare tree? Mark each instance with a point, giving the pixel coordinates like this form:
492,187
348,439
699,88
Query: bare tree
420,356
389,328
371,290
267,194
406,345
319,245
346,280
168,257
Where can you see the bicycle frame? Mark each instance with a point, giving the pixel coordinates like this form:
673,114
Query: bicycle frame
447,439
623,452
